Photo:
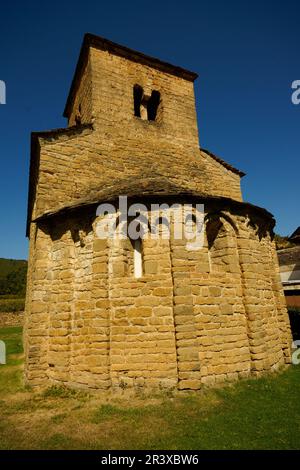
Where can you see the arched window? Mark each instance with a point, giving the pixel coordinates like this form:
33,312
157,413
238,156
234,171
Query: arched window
128,246
137,99
152,105
145,106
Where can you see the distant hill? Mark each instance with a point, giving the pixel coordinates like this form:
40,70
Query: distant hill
10,265
13,276
283,242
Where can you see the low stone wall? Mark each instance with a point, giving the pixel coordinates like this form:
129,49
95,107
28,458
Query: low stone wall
11,319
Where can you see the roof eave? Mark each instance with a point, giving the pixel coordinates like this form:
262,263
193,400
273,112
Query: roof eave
34,160
222,162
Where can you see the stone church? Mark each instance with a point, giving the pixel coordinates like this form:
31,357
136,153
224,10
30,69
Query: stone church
120,313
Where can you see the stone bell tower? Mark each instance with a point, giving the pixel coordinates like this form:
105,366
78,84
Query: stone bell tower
113,83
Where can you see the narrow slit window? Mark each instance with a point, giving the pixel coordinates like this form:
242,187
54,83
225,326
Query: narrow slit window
137,258
152,105
137,99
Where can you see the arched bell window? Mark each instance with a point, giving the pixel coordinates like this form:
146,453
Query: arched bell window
145,106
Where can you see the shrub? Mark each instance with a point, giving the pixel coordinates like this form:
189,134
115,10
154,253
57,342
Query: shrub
12,305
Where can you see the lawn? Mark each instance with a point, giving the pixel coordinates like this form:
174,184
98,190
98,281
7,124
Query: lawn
252,414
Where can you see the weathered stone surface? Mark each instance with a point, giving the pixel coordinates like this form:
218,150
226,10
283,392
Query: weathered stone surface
193,318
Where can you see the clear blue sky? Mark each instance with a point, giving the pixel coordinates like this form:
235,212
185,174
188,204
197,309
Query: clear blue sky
245,52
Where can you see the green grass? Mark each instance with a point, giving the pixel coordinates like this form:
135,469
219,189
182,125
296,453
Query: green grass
12,335
10,374
251,414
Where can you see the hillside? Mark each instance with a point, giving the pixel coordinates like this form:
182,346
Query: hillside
10,265
13,276
283,242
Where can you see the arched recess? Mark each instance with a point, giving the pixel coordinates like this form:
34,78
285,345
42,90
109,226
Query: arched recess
259,300
127,247
141,309
219,307
221,234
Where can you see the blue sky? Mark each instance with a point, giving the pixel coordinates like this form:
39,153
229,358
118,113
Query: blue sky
245,52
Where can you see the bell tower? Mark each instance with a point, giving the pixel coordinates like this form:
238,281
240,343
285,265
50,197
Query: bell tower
128,95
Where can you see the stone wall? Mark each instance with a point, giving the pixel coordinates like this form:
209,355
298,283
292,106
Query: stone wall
113,79
193,318
11,319
82,110
78,162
